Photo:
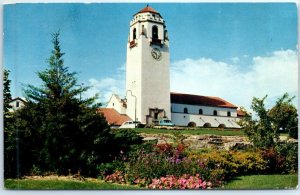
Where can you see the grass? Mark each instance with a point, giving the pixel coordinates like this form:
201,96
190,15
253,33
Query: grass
263,182
55,184
240,183
198,131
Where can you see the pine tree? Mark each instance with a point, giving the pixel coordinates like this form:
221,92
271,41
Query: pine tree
68,127
9,132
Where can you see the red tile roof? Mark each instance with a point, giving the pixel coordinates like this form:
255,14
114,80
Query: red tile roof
240,113
148,9
189,99
113,117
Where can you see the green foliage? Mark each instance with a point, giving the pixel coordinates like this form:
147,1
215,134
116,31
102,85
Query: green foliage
284,116
126,138
260,131
110,168
61,132
224,165
282,159
264,132
9,130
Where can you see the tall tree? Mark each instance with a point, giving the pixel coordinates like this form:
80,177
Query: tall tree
9,133
61,132
260,131
68,127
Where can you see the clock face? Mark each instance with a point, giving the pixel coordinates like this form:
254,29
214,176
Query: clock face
156,54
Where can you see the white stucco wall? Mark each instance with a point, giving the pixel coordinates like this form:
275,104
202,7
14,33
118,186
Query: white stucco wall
194,109
147,79
16,104
182,119
116,103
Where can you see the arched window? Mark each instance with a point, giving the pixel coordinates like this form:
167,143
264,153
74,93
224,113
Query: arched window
185,110
154,32
215,113
200,111
134,33
228,113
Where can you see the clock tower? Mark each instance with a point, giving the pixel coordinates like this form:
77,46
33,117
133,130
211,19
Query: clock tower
147,68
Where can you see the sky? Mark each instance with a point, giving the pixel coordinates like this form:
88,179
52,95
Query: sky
235,51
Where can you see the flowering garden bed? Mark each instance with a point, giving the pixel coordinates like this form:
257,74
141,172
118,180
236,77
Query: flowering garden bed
174,166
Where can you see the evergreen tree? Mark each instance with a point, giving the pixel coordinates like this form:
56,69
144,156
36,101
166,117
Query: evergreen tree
61,132
67,130
9,133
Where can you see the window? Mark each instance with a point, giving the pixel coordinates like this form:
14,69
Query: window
185,110
215,113
154,32
228,113
17,104
134,33
200,111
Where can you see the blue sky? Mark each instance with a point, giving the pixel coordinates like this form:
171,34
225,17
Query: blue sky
231,50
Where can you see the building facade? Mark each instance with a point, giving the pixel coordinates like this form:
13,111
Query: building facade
148,98
16,103
147,67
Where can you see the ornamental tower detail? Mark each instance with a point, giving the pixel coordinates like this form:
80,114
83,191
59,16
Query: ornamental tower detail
147,68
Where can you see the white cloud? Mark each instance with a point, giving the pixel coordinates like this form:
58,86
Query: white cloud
270,75
107,86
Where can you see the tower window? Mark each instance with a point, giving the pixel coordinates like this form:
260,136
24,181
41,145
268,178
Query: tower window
134,33
185,110
228,113
154,32
215,113
200,111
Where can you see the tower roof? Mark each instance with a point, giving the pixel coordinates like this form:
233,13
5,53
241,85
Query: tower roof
148,9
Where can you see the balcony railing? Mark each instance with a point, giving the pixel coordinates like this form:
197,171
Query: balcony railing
132,44
156,42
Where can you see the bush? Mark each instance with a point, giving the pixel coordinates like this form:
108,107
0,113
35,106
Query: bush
282,159
109,168
224,165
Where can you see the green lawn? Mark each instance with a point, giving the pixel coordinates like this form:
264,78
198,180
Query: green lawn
198,131
243,182
54,184
263,182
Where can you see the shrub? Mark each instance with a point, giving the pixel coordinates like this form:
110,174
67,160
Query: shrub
191,124
282,159
288,151
109,168
224,165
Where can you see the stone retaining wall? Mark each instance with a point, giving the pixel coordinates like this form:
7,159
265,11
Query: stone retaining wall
201,141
